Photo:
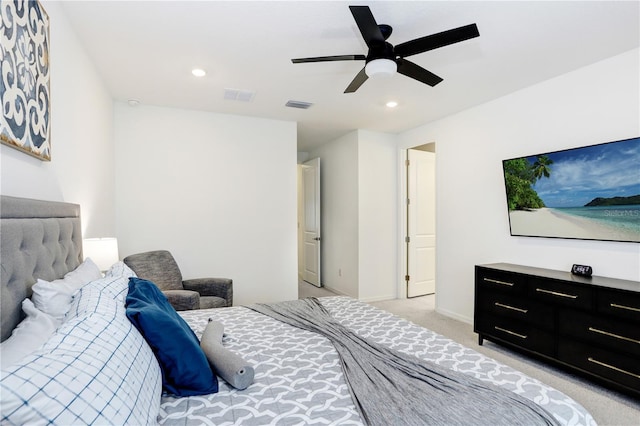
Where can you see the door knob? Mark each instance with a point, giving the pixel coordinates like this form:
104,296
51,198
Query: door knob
317,238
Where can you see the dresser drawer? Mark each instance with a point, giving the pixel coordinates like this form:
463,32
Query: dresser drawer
622,304
607,332
501,280
519,308
619,368
516,332
561,293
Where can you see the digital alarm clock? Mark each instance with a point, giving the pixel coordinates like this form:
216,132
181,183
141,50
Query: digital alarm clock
584,270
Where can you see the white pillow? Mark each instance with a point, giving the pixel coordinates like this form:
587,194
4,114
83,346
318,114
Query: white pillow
54,298
29,335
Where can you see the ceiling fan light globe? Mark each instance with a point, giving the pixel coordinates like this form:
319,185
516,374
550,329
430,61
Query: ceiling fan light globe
380,67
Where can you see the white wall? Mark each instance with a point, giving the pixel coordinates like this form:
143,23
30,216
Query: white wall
300,222
339,212
218,191
595,104
378,217
81,167
359,215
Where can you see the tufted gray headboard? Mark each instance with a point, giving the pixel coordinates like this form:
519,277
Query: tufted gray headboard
38,239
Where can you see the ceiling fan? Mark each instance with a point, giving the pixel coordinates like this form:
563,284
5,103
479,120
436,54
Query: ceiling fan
384,58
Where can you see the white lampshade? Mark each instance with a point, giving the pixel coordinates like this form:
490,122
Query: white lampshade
380,67
103,251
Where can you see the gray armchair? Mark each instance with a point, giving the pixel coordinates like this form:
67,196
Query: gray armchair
161,268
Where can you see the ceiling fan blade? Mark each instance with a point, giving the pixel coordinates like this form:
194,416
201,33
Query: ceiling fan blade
435,41
330,58
367,24
416,72
357,82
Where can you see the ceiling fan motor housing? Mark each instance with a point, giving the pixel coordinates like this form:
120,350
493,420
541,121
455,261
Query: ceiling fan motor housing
385,30
381,51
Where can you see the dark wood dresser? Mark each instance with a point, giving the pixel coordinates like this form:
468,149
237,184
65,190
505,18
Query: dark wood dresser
589,324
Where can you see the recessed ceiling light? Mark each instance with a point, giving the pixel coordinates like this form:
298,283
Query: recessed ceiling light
392,104
198,72
133,102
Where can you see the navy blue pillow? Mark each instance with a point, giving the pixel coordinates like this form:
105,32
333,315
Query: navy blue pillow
185,369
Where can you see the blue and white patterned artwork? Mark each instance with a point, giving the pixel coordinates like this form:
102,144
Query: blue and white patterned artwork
25,122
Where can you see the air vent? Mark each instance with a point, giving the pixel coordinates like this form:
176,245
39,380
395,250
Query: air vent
298,104
238,95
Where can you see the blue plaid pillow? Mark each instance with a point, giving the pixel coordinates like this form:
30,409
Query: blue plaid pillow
96,369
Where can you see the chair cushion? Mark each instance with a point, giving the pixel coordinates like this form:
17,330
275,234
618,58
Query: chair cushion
157,266
183,300
207,302
220,287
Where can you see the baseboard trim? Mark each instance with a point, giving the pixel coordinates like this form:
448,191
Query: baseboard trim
454,315
362,299
377,299
336,291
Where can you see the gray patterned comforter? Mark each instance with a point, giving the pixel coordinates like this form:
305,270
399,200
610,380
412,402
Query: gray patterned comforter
299,380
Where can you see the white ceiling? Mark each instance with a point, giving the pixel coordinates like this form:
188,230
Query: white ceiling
145,50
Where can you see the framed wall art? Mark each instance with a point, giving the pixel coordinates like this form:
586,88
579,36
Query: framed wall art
25,123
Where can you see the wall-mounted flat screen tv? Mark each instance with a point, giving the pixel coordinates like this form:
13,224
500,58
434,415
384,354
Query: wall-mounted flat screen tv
590,193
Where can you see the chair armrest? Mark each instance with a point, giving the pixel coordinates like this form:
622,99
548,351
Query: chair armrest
220,287
183,300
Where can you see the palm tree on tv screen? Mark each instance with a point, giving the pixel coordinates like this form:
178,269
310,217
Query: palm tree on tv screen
541,167
520,175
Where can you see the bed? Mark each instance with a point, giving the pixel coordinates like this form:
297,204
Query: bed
96,368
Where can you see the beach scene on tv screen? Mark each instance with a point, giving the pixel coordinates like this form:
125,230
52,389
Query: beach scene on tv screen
590,193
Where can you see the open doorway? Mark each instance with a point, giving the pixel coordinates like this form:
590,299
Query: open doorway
420,221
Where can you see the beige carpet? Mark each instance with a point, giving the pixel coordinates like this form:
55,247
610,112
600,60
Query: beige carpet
606,406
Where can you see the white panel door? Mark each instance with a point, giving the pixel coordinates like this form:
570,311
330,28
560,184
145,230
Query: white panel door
311,225
421,223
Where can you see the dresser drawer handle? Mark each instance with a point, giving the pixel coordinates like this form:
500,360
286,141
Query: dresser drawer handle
491,280
513,308
555,293
629,308
612,367
617,336
513,333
